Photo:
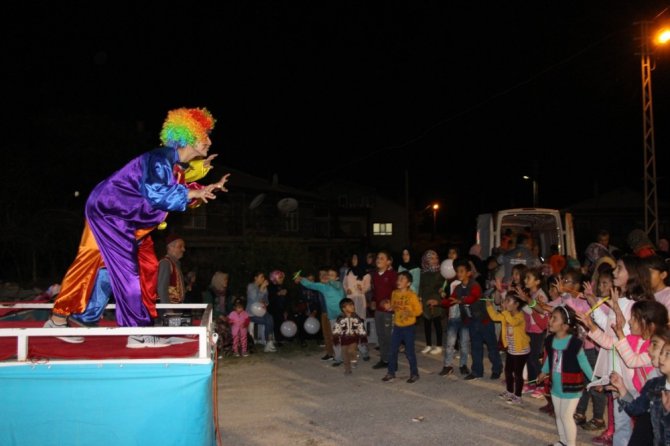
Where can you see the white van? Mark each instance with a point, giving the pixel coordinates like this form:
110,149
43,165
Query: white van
547,227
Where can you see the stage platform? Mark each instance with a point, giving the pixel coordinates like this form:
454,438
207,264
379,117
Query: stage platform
100,392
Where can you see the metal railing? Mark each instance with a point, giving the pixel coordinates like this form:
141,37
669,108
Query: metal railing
204,332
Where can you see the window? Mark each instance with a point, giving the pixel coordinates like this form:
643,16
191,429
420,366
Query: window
382,229
292,222
196,218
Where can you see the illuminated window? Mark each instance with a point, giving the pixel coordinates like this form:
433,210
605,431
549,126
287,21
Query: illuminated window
382,229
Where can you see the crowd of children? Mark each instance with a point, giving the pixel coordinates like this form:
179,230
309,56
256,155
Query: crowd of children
567,333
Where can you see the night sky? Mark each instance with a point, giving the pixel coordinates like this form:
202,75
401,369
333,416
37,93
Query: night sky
552,88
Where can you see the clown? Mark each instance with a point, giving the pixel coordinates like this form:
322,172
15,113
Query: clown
116,254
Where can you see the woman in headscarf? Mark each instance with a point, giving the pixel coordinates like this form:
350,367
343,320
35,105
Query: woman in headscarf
356,283
409,264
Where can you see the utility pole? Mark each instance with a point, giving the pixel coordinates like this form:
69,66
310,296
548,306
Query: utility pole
648,138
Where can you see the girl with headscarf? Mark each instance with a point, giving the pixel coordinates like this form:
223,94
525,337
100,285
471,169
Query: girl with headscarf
431,282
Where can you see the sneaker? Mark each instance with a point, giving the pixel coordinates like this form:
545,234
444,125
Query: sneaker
528,388
495,375
594,425
69,339
436,350
446,371
412,379
538,393
426,349
237,355
245,354
270,348
388,378
366,358
327,357
505,395
76,323
471,377
381,365
336,364
514,400
146,341
464,370
579,418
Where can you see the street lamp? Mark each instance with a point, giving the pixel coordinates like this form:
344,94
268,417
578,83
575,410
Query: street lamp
535,191
648,138
435,207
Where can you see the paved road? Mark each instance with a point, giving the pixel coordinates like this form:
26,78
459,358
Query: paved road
294,398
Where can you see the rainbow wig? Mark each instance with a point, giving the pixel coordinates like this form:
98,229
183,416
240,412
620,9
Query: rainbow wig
185,126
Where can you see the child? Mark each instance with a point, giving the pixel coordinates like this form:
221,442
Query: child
384,280
646,316
658,275
333,293
429,290
536,326
500,289
654,397
516,341
239,321
568,369
467,295
406,307
632,278
348,332
600,399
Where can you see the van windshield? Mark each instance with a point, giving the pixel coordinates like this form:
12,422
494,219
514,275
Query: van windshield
543,230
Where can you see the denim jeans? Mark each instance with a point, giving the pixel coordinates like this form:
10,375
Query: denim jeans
267,322
481,334
623,427
406,335
452,330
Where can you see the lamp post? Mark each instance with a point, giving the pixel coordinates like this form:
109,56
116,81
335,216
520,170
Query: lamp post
648,138
435,207
535,190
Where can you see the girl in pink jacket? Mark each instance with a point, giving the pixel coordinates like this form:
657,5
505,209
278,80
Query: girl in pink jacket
239,321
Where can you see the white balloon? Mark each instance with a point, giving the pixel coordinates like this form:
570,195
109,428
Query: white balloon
288,329
258,309
447,269
312,325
